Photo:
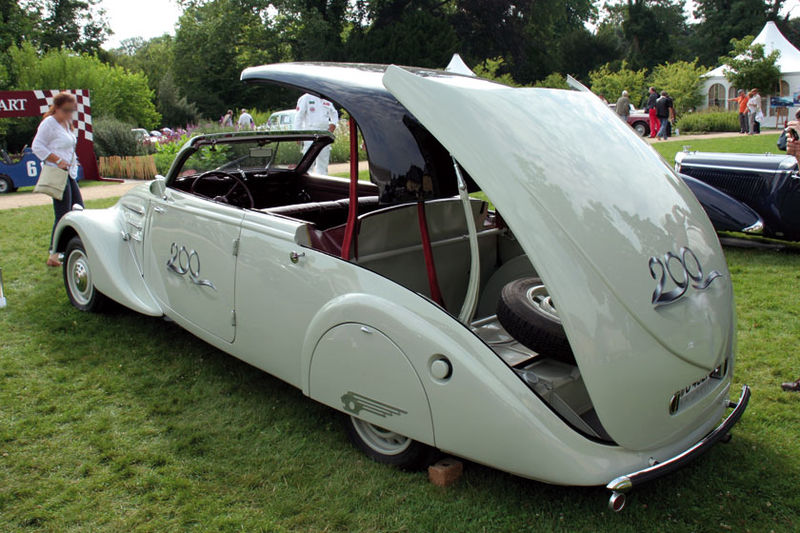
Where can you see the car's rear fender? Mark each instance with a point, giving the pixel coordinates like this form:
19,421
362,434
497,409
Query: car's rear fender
483,412
111,258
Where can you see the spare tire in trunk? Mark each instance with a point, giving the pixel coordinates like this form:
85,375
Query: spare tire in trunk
528,314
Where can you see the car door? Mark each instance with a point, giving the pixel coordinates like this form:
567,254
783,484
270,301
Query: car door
191,260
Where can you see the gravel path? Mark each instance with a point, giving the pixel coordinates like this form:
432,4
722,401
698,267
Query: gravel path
29,198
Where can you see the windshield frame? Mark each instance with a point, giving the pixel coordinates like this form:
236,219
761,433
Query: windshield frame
319,140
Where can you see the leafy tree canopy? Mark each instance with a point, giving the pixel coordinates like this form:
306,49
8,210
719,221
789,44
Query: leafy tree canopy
115,91
611,82
682,81
749,66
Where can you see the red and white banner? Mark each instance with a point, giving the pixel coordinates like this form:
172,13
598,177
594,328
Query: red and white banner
36,103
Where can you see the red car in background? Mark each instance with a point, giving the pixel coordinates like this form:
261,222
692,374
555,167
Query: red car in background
638,120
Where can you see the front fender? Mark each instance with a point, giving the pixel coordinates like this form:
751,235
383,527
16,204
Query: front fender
726,213
111,259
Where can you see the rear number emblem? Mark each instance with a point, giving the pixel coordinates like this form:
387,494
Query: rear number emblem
689,274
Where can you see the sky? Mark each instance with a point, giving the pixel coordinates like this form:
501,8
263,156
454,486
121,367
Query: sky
140,18
151,18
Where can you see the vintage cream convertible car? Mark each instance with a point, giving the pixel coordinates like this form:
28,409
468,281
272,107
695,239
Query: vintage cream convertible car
578,330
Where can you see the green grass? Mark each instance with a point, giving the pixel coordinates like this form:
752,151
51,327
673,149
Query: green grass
120,422
751,144
363,175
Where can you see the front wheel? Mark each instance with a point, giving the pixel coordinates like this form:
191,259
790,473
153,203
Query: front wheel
6,185
386,446
78,279
641,128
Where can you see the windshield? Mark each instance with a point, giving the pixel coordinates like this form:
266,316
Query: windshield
256,155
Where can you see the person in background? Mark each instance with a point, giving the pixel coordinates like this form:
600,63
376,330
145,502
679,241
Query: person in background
742,99
650,107
245,121
753,107
227,119
623,107
793,136
315,113
602,98
54,144
665,112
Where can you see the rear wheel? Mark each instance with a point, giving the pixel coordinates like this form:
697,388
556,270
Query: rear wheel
386,446
528,314
6,185
641,128
78,279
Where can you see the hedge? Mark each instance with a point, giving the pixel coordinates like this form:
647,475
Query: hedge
708,121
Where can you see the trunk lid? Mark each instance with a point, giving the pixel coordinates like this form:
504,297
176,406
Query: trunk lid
601,217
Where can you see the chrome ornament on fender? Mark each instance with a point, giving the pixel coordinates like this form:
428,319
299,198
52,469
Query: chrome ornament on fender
696,279
175,264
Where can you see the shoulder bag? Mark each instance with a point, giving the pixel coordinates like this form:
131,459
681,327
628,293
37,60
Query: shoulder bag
52,180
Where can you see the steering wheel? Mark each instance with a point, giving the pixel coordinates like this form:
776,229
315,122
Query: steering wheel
238,182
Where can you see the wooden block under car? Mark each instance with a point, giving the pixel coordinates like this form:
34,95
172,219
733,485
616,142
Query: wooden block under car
445,472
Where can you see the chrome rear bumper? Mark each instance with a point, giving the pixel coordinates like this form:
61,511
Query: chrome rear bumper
623,484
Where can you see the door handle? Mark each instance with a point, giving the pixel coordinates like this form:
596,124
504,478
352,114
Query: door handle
159,209
294,257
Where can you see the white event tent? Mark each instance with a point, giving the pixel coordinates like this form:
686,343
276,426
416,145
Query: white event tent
718,90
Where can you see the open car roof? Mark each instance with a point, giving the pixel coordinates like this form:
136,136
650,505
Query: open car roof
405,160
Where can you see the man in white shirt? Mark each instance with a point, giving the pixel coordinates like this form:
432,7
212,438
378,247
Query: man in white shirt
315,113
246,121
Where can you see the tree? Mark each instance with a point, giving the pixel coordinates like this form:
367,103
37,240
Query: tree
115,91
553,81
749,66
152,57
682,81
174,108
490,69
214,42
414,36
610,83
648,27
79,25
723,20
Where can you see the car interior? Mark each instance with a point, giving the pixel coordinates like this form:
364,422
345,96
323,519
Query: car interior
388,240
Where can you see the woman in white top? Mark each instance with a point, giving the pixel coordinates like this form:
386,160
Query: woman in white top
54,144
753,107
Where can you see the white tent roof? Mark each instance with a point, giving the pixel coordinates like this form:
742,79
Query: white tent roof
772,39
458,66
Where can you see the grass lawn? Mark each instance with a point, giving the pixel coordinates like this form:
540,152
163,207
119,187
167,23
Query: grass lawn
120,422
752,144
363,175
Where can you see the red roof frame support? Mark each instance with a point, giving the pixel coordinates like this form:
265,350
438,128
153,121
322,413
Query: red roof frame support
427,250
352,213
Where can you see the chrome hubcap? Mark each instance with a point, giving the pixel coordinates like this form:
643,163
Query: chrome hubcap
4,186
379,439
79,277
540,299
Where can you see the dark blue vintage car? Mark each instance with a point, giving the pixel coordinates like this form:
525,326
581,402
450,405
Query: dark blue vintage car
750,193
21,173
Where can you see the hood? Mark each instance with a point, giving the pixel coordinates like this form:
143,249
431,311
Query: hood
597,211
755,162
